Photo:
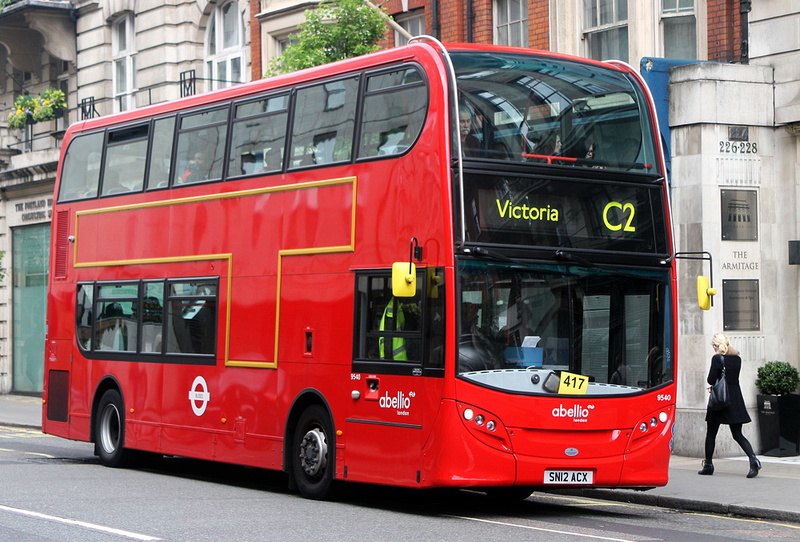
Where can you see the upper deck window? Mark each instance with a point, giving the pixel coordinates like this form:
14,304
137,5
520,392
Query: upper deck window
259,136
324,123
126,156
394,112
161,153
547,110
80,172
201,146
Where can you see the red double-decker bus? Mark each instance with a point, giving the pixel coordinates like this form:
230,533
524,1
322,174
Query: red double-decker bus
424,267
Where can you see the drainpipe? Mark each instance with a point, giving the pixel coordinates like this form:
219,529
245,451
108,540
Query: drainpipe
470,15
435,18
744,9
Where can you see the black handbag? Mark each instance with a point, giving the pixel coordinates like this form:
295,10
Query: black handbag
719,399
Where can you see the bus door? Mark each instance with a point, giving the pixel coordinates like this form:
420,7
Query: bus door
396,379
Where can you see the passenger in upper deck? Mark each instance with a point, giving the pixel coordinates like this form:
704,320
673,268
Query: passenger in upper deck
196,170
470,145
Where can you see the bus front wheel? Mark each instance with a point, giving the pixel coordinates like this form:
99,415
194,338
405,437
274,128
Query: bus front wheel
110,430
313,451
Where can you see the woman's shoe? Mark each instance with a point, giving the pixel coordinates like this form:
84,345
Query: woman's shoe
708,469
755,466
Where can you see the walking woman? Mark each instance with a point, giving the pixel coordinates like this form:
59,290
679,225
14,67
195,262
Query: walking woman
735,414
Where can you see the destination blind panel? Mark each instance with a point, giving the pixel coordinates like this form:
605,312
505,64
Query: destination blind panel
586,215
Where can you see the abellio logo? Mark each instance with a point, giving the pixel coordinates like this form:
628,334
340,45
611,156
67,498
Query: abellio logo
399,401
577,412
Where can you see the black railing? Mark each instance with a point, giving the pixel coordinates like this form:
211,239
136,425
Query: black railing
188,83
88,109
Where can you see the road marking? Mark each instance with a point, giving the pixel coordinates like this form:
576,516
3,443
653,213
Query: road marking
48,456
766,522
85,525
542,529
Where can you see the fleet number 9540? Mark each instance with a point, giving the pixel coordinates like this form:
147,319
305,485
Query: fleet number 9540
664,397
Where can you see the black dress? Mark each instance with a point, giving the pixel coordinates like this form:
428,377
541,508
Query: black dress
736,411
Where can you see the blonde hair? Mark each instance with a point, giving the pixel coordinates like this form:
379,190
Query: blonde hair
723,344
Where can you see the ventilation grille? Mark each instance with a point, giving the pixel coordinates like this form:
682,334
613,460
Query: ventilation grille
62,244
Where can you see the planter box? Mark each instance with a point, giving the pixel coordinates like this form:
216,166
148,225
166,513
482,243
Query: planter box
779,424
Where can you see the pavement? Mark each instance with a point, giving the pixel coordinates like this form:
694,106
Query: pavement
772,495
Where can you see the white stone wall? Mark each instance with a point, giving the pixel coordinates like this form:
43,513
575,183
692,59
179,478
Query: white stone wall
169,39
705,101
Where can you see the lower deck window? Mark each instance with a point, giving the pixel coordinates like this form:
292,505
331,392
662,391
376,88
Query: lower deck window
165,317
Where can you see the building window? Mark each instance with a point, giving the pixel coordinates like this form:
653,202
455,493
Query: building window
605,27
124,58
679,29
224,47
511,22
284,44
412,22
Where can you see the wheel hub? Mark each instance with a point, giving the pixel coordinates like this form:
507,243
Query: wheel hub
313,452
109,429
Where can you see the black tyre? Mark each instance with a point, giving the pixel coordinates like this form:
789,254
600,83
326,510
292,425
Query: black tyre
109,430
313,454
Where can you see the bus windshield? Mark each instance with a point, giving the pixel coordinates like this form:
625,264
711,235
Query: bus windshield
519,324
550,110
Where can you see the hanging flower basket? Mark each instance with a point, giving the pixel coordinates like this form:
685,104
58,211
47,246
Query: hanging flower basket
50,101
21,112
29,109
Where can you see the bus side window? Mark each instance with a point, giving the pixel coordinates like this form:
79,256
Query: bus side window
80,174
83,315
124,166
388,328
201,146
434,318
324,123
191,317
258,137
161,153
152,316
395,107
116,327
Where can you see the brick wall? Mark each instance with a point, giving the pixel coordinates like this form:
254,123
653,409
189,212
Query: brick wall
453,21
539,24
256,70
724,31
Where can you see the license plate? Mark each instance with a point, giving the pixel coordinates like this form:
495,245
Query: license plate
569,477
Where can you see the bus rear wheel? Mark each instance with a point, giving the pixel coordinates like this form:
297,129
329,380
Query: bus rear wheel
110,430
313,454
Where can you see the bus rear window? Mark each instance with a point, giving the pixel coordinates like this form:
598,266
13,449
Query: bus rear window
80,172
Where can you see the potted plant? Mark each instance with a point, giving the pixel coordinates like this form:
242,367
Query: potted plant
51,104
778,409
22,111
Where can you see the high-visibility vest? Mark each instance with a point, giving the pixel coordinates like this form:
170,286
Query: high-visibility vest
398,343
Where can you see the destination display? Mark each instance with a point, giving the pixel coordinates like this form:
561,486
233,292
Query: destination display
591,215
